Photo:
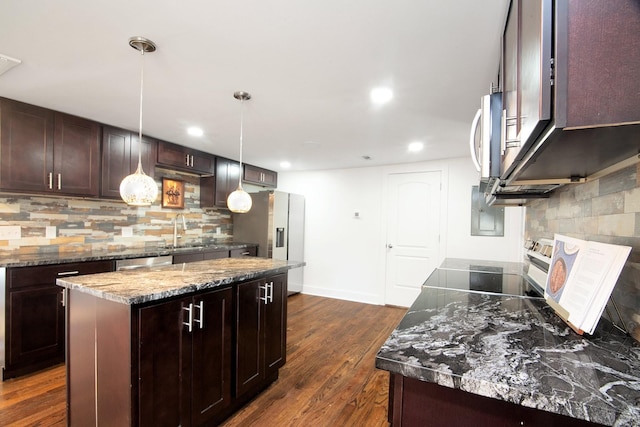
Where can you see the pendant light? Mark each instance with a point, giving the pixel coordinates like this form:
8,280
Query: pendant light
139,189
240,201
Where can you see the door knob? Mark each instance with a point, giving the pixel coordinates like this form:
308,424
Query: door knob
389,245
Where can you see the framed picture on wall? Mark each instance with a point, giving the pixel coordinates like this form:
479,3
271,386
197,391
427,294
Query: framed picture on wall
172,193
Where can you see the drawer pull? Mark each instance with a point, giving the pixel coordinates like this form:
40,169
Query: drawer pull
200,321
68,273
189,323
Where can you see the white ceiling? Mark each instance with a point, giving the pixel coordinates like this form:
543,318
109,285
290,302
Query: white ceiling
309,66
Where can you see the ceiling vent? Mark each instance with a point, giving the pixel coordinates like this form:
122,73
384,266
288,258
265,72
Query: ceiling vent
7,63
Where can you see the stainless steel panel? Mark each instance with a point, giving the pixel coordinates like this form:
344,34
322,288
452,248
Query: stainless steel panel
272,211
296,241
135,263
280,221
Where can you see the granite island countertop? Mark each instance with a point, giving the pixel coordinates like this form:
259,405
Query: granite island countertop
48,258
156,283
515,349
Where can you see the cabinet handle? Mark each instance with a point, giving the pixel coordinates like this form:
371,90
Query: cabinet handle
266,293
186,161
191,161
271,292
189,323
63,298
245,253
59,181
200,308
67,273
50,180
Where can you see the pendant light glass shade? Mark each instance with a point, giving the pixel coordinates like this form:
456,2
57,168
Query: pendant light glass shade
240,201
139,189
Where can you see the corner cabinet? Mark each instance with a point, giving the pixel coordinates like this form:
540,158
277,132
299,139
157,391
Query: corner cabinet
44,151
259,176
179,361
35,314
120,158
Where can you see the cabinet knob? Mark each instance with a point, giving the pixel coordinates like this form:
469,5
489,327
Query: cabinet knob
390,246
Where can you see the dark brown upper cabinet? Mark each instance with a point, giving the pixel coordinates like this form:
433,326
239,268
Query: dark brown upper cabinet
215,190
259,176
120,158
183,158
570,90
44,151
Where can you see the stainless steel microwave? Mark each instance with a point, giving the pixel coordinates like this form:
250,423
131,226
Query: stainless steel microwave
484,139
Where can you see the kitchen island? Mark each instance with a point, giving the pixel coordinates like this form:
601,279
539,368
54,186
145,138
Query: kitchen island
185,344
468,353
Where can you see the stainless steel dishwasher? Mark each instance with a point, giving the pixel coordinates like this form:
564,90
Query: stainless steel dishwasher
135,263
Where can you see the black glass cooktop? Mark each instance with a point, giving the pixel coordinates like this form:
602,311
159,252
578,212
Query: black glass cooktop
483,280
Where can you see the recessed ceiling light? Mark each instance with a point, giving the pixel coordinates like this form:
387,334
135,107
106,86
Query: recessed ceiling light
414,147
195,131
381,95
285,164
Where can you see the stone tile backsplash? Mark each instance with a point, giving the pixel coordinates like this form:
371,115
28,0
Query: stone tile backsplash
606,210
83,225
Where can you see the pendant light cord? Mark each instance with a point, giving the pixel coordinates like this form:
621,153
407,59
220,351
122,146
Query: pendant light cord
140,123
241,122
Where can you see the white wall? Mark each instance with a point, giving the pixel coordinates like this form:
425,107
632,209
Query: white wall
345,256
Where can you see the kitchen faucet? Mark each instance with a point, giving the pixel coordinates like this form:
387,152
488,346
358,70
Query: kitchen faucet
175,228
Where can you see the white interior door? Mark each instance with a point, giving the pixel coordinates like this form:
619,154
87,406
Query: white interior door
413,234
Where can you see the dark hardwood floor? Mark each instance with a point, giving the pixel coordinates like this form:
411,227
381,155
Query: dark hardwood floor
329,378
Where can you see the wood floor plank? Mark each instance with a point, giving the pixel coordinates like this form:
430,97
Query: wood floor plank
329,378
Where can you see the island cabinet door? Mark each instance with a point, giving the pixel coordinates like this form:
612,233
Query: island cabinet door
249,348
261,321
211,355
163,344
276,323
185,360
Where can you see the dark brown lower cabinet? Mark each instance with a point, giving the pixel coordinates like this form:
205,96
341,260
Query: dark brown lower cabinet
419,403
35,315
185,360
261,321
175,361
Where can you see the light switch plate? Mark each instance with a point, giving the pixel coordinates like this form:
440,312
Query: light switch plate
10,232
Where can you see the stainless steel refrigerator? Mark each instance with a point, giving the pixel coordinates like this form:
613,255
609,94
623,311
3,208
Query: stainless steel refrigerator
276,223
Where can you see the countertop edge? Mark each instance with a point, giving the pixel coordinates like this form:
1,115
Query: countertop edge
249,274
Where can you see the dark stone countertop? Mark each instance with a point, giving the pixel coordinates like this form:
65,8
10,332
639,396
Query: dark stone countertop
157,283
516,349
45,258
